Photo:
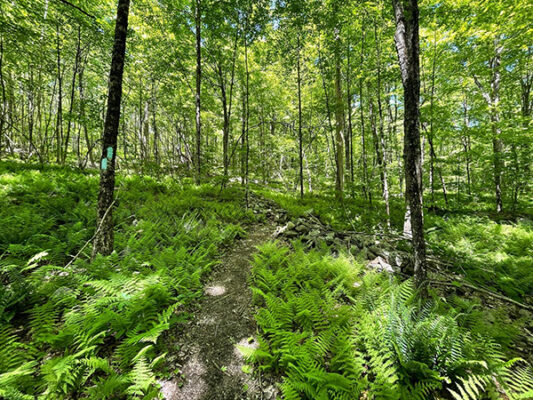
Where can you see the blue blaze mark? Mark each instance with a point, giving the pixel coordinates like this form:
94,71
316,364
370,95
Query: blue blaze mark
104,164
109,153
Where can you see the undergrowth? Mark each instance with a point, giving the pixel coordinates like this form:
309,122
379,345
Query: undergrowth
495,254
498,255
91,329
334,331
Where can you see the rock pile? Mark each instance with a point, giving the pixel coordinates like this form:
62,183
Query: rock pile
384,254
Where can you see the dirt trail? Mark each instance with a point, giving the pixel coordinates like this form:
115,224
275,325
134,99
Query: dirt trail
213,366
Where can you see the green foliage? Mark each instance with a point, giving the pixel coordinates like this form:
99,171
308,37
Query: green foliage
490,253
93,328
336,333
354,213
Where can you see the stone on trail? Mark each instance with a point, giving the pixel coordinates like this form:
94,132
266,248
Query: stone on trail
215,290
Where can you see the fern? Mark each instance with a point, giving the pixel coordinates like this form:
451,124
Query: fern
85,323
330,338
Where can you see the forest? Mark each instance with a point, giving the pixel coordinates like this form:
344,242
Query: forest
266,199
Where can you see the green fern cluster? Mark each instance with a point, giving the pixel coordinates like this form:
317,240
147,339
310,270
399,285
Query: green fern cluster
333,332
93,329
496,254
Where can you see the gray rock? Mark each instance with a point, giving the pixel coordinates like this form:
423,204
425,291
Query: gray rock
381,265
314,233
302,228
291,234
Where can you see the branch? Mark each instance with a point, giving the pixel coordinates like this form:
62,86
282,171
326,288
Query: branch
484,93
77,8
95,233
485,291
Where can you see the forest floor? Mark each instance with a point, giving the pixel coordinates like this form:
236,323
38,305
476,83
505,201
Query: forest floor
213,366
199,281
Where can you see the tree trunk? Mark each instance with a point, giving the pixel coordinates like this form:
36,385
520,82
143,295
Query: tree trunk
493,100
242,150
349,157
3,114
362,115
300,139
328,107
381,150
247,114
408,47
157,159
59,120
145,131
339,123
226,104
198,24
89,155
72,93
103,243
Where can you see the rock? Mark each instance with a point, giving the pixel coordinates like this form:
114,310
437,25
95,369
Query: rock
398,260
283,229
315,233
339,243
302,228
270,392
376,250
291,234
279,231
381,265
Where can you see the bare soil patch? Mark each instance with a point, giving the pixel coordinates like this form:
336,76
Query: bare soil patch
212,366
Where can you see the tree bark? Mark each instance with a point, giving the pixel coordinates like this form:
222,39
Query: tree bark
339,123
493,100
300,139
362,115
198,24
408,48
349,157
227,106
3,114
59,120
381,149
247,114
77,61
104,237
328,107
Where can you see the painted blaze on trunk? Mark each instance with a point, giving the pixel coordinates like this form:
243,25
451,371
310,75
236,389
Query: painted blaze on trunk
103,242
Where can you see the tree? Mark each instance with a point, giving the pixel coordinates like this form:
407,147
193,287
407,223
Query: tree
339,121
407,46
198,34
300,137
492,98
104,237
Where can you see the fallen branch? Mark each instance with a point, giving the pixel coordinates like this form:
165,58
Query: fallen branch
95,233
486,291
